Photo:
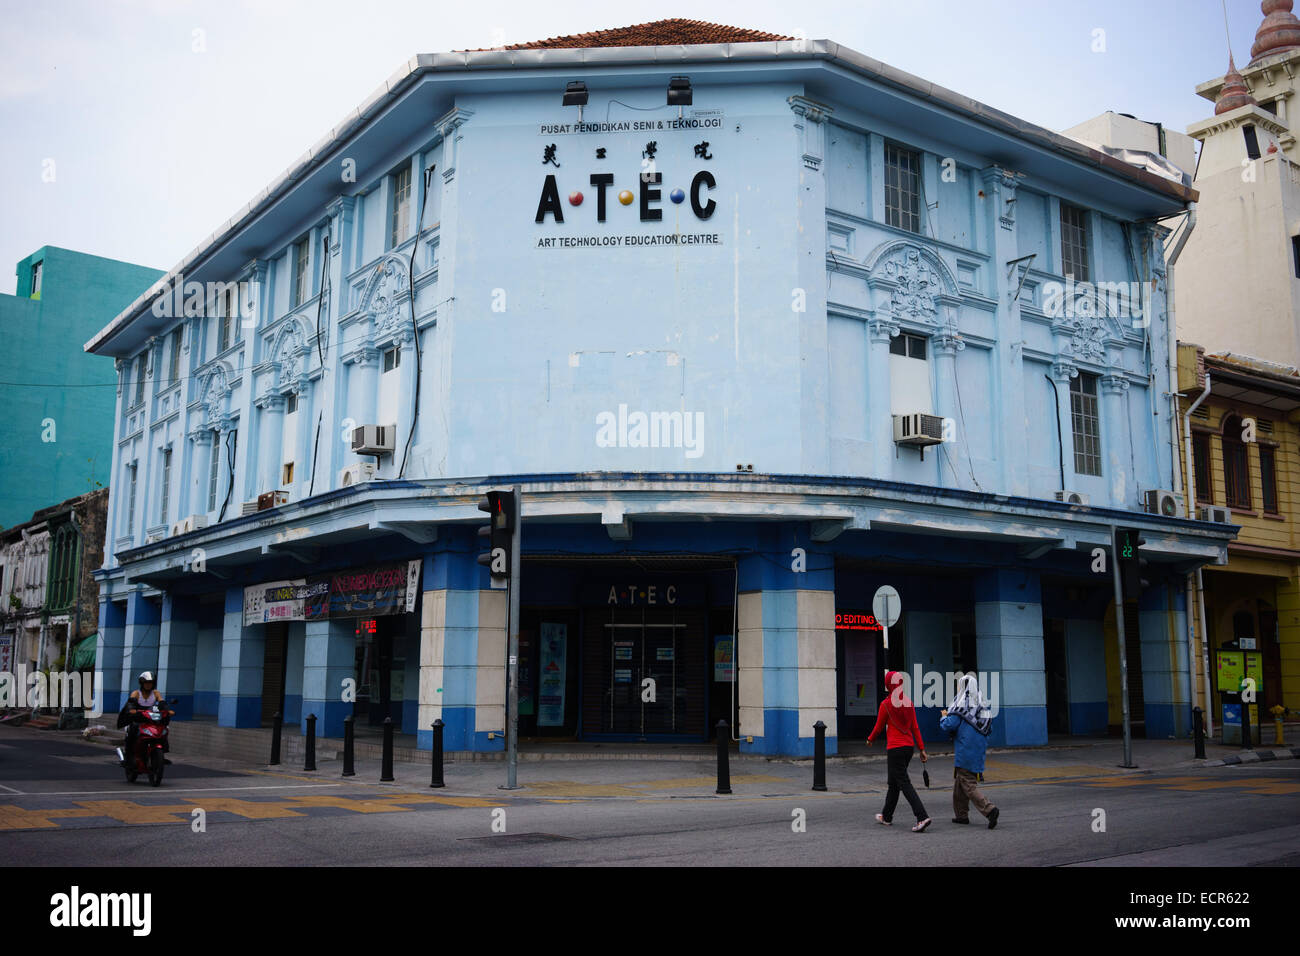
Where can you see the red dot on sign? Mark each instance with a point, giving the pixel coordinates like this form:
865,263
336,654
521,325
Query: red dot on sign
575,198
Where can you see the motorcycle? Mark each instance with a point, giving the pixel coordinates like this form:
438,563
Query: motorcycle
148,755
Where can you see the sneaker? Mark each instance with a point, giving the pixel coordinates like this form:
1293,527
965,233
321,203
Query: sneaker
955,820
993,817
921,825
880,818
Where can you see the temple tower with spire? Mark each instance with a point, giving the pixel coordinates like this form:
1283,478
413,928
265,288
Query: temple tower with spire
1238,279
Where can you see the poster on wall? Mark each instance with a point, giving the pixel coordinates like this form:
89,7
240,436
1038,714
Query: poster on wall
550,686
860,698
273,601
724,663
6,653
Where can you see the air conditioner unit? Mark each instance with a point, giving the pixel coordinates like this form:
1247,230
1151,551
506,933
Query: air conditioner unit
1072,497
272,499
192,523
355,474
1216,514
918,428
373,439
1164,503
248,508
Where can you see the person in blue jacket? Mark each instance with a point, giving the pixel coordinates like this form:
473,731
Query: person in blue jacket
968,721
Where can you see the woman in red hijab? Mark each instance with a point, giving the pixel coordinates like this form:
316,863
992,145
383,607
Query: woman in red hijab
899,716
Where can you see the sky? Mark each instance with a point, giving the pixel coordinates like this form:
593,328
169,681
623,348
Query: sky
132,129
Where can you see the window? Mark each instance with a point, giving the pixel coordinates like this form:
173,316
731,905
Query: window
140,365
909,375
1295,254
902,188
36,280
1074,242
131,471
1201,466
165,495
1268,477
401,206
286,479
1087,427
392,358
1236,466
226,319
913,346
214,471
291,403
299,273
176,356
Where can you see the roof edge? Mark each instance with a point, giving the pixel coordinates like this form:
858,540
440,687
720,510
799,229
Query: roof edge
793,50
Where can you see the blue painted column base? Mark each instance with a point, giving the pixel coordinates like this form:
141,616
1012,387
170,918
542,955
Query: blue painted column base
1019,727
239,712
1088,718
329,716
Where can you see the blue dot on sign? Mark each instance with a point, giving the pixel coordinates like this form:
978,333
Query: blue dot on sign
677,195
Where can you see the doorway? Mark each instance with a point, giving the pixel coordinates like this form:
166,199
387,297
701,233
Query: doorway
645,674
274,663
1055,663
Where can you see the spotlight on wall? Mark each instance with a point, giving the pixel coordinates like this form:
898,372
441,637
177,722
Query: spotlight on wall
575,94
679,93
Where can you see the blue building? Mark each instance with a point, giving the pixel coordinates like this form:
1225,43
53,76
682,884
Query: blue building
58,403
759,325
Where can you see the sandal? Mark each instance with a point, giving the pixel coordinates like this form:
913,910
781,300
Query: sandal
921,825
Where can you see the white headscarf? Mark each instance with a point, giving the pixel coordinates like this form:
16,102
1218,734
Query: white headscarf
970,705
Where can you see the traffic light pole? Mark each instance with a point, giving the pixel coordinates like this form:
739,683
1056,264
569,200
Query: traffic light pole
512,672
1123,655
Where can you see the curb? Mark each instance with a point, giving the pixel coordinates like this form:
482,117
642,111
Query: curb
1253,756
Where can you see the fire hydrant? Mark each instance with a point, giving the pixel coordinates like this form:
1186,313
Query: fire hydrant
1277,710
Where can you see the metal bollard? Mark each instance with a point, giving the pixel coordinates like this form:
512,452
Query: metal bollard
819,756
310,763
724,774
386,771
348,731
437,754
1198,732
276,726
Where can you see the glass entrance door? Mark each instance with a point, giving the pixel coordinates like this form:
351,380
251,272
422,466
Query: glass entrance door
646,693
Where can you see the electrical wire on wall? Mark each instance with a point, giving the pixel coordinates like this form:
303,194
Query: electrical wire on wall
315,447
1060,440
320,301
324,290
415,328
231,445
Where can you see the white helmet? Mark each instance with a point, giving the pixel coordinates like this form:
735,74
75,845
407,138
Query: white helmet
146,676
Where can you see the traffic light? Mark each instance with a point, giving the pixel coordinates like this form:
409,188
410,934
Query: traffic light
1132,566
500,506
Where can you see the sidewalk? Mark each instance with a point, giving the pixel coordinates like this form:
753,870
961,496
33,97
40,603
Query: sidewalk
562,772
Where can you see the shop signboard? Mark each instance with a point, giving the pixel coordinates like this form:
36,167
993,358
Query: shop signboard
273,601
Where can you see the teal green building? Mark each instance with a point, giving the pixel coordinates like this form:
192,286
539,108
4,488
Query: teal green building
59,401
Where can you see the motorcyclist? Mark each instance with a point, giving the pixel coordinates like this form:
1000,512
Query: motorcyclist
143,699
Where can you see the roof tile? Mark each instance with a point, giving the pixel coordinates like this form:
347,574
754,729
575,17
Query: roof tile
671,32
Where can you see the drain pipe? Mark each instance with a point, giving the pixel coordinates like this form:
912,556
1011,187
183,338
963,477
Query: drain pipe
1171,328
1200,587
